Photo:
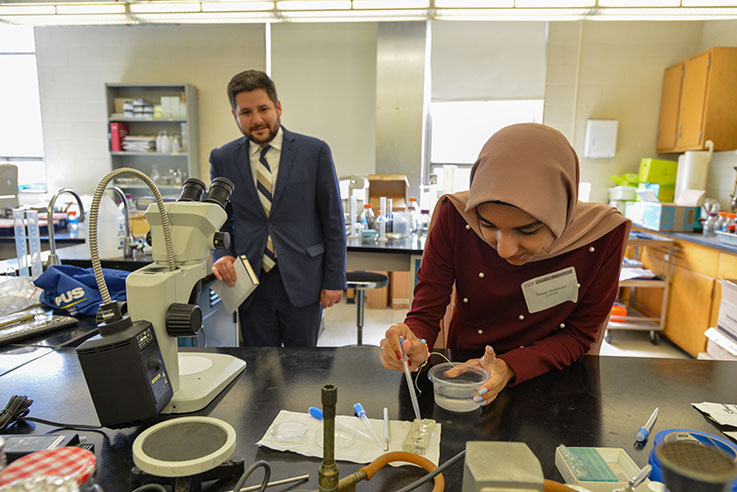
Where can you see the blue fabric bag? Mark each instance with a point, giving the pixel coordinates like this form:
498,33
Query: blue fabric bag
74,289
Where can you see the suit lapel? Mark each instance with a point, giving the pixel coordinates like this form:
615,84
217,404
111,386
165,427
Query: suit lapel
243,160
288,153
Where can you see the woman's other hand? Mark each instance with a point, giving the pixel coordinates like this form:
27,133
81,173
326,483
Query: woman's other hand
390,354
500,374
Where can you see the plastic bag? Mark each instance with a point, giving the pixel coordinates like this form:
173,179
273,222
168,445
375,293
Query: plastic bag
74,289
17,293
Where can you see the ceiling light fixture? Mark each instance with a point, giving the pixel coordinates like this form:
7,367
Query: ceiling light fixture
288,5
164,7
473,4
90,8
391,4
552,4
237,6
21,9
510,14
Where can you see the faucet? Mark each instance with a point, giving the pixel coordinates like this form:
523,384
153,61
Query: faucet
129,240
53,257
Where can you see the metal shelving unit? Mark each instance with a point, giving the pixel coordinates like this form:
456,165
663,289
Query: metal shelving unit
187,161
638,316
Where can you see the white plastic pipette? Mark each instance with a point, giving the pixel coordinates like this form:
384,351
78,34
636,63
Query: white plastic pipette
410,384
361,413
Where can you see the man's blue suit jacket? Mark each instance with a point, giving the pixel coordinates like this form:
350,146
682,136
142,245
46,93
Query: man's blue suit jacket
306,223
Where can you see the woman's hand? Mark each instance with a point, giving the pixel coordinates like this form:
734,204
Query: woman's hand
500,374
390,354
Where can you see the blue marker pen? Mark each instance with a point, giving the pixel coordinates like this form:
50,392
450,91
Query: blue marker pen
641,435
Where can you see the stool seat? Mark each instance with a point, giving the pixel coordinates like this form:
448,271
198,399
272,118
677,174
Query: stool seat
366,280
361,282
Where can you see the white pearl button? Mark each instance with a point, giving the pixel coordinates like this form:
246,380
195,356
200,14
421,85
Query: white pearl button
591,249
480,332
468,227
578,285
465,300
521,317
562,325
481,275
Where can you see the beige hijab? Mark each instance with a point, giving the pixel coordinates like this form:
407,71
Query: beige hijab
534,168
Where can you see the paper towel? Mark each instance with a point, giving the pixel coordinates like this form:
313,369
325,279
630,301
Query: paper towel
693,169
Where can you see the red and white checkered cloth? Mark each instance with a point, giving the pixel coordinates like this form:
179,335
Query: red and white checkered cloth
75,463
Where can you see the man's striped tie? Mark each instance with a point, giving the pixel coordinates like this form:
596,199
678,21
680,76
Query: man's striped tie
264,179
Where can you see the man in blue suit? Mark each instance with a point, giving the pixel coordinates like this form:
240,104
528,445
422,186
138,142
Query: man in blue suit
285,215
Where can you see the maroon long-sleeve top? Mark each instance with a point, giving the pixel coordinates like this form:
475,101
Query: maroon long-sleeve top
492,309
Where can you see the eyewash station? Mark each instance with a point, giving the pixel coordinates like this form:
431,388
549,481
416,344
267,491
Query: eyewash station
331,419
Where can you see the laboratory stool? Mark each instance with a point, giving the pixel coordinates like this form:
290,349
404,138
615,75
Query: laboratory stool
361,282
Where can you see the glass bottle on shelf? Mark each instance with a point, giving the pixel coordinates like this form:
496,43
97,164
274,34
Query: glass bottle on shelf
155,176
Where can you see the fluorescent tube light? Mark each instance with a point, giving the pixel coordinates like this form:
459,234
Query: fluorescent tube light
551,4
68,20
91,8
391,4
313,5
709,3
356,16
236,6
665,14
20,9
473,4
639,3
510,14
208,18
157,7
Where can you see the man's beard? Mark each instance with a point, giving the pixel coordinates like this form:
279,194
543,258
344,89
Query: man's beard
269,138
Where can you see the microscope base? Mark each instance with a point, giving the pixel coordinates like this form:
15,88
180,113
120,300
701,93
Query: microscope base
202,376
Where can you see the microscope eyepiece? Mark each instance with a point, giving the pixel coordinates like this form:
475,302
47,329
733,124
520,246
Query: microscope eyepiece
192,191
220,191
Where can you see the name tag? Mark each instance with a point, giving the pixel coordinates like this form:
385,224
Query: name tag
550,290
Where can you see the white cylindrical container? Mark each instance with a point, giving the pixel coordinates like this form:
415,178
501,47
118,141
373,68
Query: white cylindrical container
110,229
693,169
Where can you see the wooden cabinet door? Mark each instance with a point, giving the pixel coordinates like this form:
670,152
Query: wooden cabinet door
689,309
669,105
693,101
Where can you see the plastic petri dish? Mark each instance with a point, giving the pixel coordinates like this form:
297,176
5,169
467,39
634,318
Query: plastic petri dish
455,393
343,439
288,431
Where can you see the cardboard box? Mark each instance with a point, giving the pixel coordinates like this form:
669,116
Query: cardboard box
727,321
119,104
657,171
392,186
719,345
399,290
652,214
378,298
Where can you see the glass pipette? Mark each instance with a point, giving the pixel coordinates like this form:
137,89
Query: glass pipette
361,413
410,384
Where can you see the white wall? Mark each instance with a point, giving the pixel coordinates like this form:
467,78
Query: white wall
75,62
722,174
621,77
325,76
485,60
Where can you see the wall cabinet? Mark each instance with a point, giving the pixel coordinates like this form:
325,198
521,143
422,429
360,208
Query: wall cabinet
172,168
699,103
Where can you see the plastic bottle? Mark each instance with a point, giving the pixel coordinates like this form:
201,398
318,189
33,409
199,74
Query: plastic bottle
380,223
367,217
731,219
709,225
110,229
424,223
414,214
721,222
176,145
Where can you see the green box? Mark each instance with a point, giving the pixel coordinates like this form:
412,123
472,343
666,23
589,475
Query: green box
657,171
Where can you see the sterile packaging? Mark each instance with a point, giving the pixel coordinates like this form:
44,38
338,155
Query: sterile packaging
597,469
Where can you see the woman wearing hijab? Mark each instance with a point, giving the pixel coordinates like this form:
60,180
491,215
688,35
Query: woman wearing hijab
536,271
